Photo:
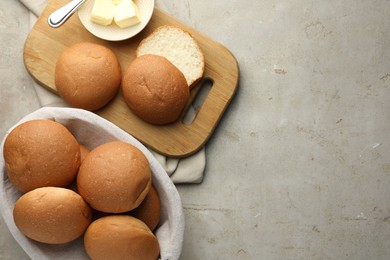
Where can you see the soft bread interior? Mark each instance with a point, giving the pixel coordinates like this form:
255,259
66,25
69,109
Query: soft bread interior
179,47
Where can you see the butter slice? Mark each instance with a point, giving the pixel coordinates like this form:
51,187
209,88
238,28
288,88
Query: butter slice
126,14
103,12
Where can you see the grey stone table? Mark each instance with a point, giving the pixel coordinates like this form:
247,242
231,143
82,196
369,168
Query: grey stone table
299,166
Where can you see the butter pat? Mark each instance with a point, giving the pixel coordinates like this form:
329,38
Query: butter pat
103,12
126,14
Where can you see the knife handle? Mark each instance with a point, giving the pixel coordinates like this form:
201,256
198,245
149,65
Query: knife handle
58,17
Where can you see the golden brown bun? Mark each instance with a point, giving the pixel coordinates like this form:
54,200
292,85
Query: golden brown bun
83,152
149,210
87,75
120,237
154,89
41,153
114,177
52,215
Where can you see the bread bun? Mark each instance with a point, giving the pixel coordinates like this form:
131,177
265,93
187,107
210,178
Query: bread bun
41,153
83,152
120,237
150,209
114,177
87,75
179,47
155,90
52,215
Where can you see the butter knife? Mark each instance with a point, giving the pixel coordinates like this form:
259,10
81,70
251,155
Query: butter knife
58,17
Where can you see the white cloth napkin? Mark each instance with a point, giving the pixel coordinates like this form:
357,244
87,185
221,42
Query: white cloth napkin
184,170
92,130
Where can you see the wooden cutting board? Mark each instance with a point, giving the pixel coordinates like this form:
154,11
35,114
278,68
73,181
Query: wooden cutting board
44,45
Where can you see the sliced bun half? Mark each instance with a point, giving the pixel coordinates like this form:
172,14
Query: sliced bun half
179,47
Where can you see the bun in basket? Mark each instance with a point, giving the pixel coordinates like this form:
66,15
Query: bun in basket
154,89
150,209
83,152
115,177
41,153
179,47
52,215
120,237
87,75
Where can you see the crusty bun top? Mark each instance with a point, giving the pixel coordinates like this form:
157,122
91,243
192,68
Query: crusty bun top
120,237
179,47
52,215
114,177
150,209
154,89
83,152
41,153
87,75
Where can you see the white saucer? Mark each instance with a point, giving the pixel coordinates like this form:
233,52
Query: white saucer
113,32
